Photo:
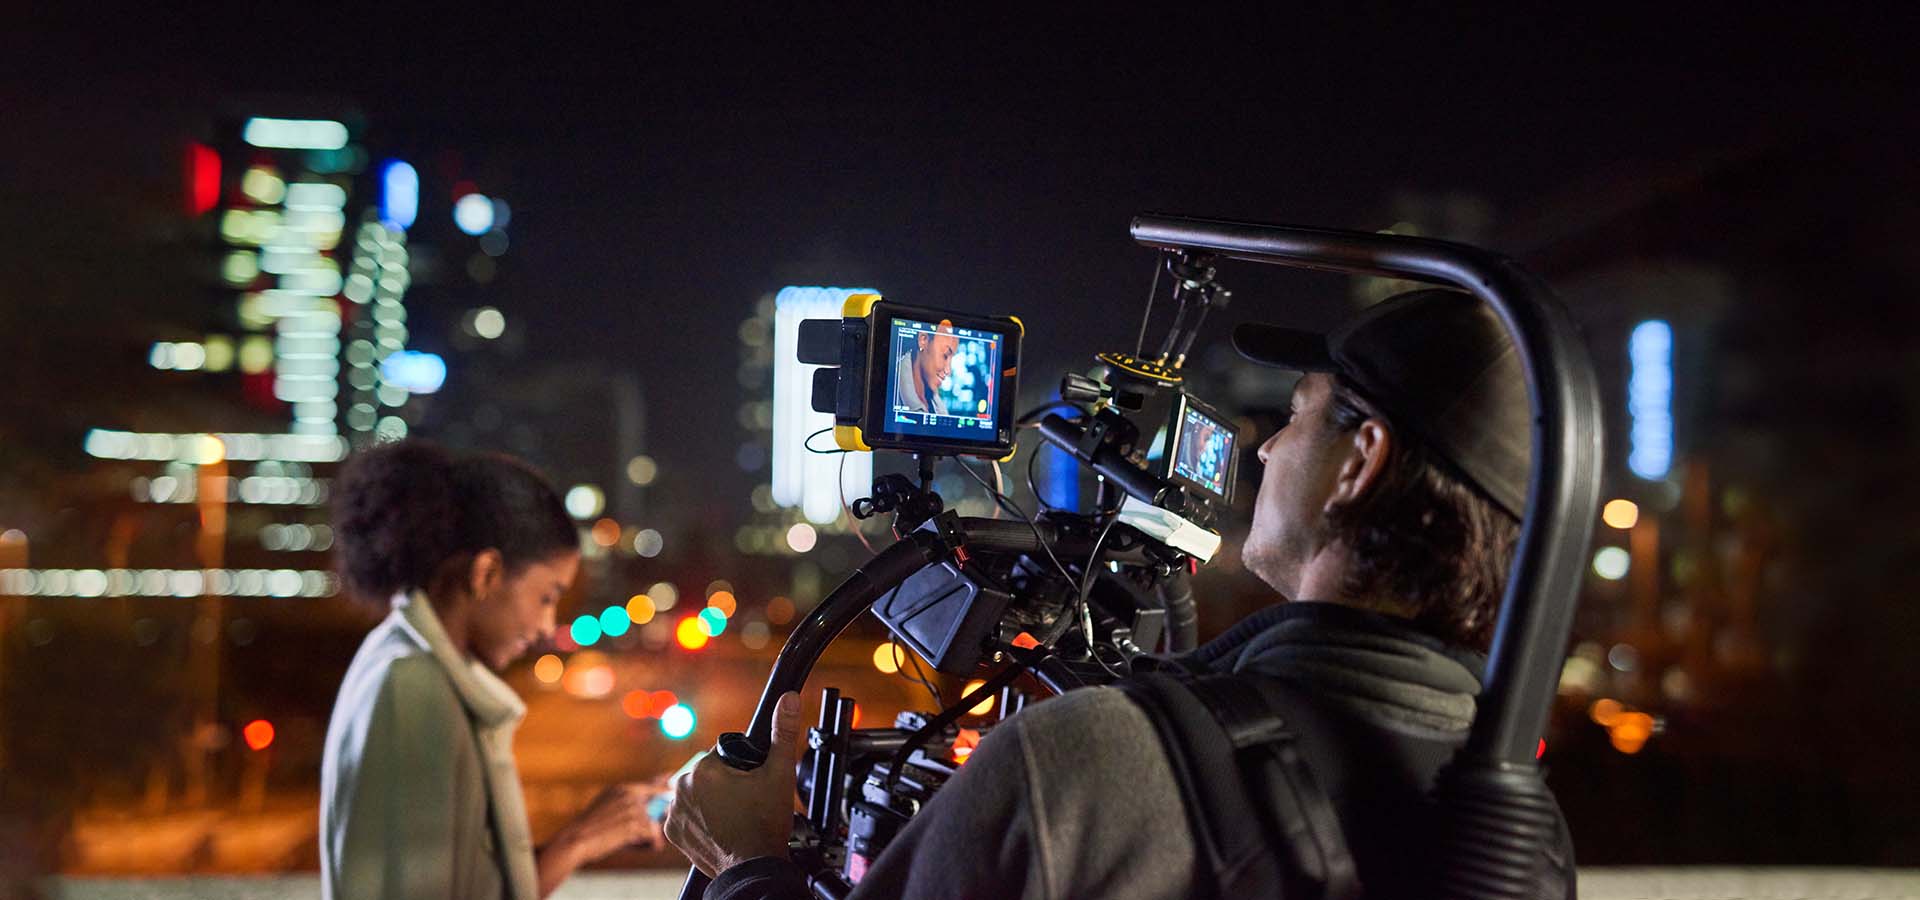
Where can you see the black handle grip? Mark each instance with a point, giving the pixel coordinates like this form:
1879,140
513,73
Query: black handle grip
741,751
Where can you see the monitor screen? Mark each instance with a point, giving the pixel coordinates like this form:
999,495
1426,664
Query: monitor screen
943,382
1203,453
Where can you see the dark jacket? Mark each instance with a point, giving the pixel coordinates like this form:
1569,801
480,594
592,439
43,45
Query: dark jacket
1074,796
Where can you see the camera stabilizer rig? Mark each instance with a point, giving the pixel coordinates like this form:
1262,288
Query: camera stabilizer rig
1067,597
960,590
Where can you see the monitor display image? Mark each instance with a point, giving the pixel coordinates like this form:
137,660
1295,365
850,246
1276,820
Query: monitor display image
1203,452
944,381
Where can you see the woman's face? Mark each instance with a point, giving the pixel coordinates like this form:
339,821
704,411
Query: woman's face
517,610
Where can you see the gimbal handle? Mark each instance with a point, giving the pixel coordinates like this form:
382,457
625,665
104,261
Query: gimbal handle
839,609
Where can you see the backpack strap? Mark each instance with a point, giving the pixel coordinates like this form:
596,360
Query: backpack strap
1262,824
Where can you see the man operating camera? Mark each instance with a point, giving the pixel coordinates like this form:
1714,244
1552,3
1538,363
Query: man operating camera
1386,521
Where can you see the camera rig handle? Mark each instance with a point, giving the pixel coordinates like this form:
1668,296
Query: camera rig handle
899,561
1495,804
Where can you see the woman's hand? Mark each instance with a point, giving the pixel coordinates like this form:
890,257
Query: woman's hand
616,818
722,816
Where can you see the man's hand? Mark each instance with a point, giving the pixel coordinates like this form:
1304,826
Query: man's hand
616,818
722,816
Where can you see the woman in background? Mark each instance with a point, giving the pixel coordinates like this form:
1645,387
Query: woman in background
420,797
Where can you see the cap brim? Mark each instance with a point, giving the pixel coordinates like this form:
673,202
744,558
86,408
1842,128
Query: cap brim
1284,348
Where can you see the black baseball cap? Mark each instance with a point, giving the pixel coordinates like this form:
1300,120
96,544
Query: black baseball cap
1435,362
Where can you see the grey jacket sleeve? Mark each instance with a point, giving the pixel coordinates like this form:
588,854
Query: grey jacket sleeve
398,825
1072,798
976,837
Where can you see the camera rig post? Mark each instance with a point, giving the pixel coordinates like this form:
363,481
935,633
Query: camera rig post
1495,808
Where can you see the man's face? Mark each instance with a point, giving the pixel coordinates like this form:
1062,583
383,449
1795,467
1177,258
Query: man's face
1301,466
936,358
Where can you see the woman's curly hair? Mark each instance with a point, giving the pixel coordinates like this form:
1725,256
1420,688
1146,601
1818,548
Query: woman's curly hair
403,511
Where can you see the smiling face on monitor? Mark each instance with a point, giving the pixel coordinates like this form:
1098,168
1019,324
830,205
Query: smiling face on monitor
943,381
933,359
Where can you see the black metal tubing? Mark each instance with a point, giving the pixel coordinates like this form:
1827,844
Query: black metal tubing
1497,808
1563,490
818,629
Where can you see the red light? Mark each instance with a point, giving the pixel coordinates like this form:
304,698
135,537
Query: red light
203,179
634,704
659,702
1025,641
258,734
964,743
1543,749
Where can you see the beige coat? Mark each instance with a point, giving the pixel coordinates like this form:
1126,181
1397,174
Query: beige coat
419,797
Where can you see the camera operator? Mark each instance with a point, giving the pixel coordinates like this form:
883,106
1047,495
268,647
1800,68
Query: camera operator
1386,521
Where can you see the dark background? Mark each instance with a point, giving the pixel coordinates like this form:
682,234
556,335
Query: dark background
667,170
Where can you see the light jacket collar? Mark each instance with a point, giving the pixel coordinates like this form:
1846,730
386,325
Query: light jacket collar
488,699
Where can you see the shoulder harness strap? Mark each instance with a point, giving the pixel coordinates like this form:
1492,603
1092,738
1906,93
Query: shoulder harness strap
1262,824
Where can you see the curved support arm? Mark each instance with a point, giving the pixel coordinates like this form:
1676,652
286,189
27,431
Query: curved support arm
803,648
1563,490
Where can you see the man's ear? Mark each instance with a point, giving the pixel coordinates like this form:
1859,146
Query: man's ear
486,572
1365,463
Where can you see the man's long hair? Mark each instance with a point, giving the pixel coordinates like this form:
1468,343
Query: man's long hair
1423,537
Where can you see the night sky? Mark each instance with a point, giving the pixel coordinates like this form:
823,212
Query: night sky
666,172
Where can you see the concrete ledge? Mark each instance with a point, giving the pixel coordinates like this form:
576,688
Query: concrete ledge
1601,883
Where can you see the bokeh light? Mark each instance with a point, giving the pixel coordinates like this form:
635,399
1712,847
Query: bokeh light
640,609
801,537
473,213
677,721
258,734
964,744
648,543
780,610
690,634
664,595
606,532
597,681
614,621
712,622
886,657
1621,514
589,675
489,323
724,602
585,630
634,704
584,501
985,705
548,669
1611,563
